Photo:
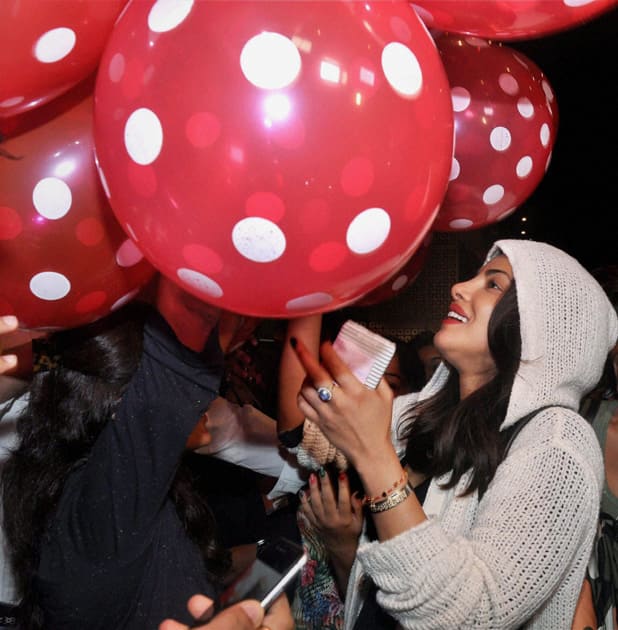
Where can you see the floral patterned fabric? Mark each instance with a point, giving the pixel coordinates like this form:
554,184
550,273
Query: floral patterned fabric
317,605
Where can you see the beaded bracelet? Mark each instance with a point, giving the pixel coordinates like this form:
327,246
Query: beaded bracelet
391,500
400,482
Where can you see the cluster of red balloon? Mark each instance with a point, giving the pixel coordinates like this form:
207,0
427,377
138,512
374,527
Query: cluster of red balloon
65,259
505,110
272,159
506,119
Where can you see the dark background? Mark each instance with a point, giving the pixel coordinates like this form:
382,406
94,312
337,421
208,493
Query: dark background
575,206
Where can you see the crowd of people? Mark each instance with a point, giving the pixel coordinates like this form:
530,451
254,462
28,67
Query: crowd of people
475,487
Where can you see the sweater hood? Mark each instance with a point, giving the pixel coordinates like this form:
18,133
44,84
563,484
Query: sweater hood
568,325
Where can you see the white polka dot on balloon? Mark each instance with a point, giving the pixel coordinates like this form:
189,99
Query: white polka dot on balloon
55,45
258,239
522,62
461,224
103,180
525,107
545,134
310,301
50,285
402,69
400,282
455,170
493,194
477,42
524,166
505,214
128,254
143,136
52,198
131,232
577,3
368,230
166,15
11,102
500,138
508,84
116,68
424,14
200,282
460,98
125,299
270,61
549,93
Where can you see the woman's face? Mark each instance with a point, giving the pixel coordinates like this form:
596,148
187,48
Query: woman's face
462,339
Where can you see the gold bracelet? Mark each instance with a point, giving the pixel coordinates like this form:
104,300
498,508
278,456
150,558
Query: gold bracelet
399,483
391,500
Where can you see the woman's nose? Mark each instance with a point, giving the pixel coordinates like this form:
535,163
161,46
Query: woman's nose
457,291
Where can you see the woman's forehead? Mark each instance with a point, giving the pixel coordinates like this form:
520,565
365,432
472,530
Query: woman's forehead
499,263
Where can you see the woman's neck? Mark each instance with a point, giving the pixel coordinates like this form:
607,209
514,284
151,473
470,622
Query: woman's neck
469,383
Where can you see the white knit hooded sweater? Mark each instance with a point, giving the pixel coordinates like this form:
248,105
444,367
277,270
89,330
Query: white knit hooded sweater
518,555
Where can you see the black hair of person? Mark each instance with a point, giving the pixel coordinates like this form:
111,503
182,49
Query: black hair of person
422,338
410,366
446,434
69,405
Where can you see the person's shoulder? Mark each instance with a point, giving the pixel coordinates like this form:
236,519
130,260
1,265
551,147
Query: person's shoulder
562,434
560,425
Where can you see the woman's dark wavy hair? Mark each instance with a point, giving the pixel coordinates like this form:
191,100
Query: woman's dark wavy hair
446,434
68,407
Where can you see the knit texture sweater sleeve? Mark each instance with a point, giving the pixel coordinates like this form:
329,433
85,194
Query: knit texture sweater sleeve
493,563
115,498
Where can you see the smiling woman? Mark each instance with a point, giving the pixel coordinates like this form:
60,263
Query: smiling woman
463,339
512,469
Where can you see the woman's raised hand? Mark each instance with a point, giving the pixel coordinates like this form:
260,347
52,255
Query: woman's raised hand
356,419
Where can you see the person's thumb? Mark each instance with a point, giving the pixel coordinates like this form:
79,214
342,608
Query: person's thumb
245,615
253,610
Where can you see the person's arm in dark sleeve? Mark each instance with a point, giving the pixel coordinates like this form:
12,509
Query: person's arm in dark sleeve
132,465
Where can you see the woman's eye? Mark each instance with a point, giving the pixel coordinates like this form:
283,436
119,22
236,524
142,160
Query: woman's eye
494,285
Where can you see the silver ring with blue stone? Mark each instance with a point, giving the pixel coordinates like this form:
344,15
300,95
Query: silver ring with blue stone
324,394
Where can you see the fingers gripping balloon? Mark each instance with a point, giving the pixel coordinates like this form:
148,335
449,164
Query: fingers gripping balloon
271,158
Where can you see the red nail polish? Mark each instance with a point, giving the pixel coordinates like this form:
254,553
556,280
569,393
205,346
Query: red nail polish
342,476
313,479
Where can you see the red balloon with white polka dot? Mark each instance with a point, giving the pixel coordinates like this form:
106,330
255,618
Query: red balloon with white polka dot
506,120
274,158
48,47
509,19
65,260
